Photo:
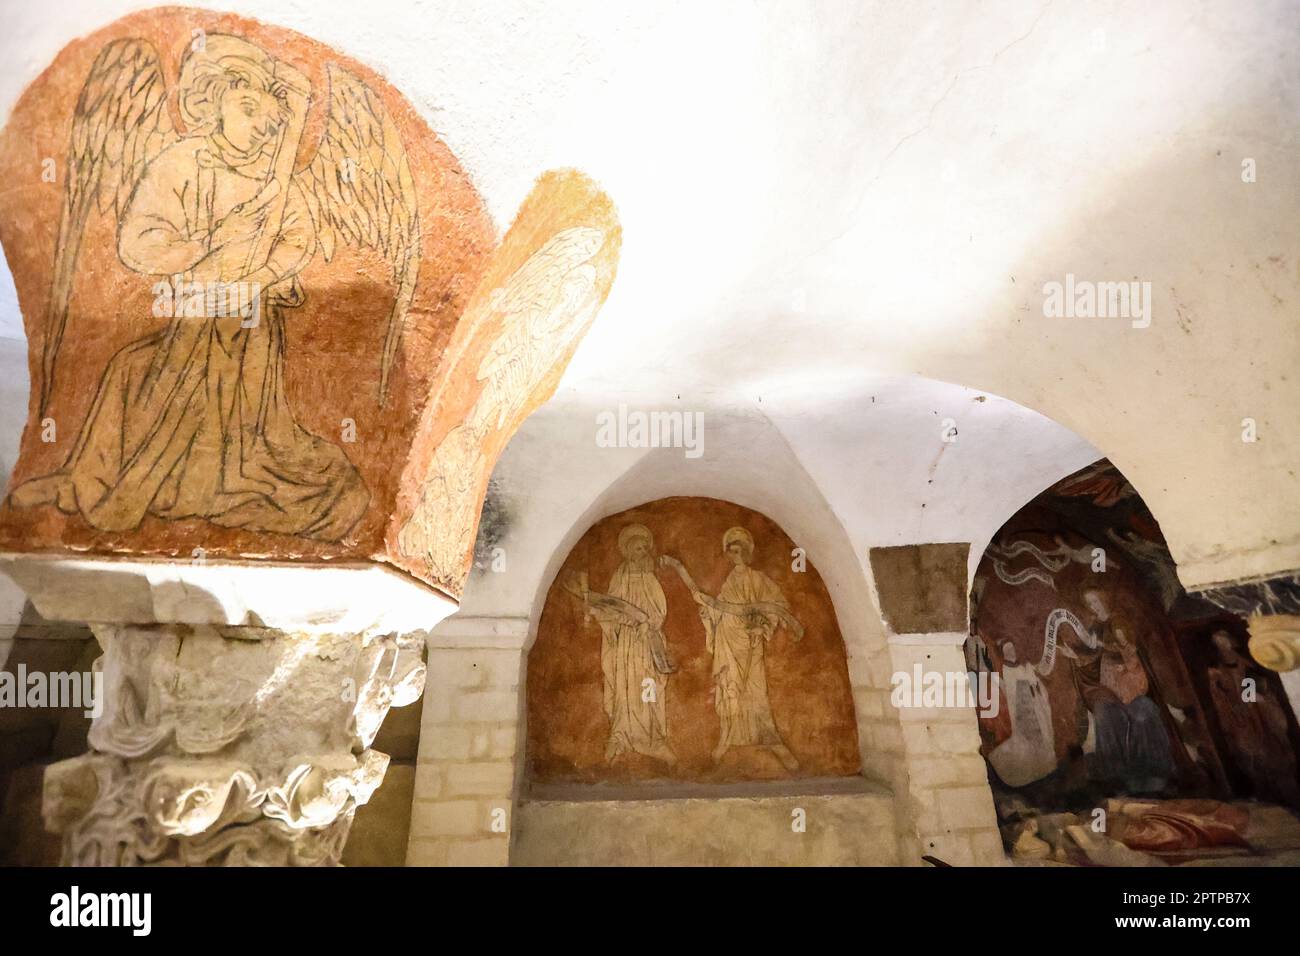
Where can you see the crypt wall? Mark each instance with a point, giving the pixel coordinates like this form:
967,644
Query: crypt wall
472,744
552,486
880,478
687,650
651,557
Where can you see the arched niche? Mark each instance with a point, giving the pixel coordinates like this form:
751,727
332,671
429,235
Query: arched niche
633,678
1132,724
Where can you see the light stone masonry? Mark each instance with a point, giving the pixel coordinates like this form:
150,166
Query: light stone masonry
463,806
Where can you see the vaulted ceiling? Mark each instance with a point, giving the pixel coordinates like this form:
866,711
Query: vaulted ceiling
840,217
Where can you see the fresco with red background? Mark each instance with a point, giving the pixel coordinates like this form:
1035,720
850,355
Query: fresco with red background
808,684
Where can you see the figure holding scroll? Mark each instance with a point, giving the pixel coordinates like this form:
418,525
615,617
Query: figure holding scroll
634,659
738,625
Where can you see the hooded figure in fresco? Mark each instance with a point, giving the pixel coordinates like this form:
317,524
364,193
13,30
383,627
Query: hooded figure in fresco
193,420
1256,726
633,658
1029,754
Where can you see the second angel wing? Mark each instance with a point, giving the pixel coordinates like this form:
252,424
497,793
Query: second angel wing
360,189
119,125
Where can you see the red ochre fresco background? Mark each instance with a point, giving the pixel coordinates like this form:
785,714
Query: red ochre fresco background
808,682
334,340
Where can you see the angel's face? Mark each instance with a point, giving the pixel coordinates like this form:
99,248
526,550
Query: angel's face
250,116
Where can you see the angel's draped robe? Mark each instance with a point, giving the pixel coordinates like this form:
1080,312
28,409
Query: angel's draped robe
192,420
627,662
739,647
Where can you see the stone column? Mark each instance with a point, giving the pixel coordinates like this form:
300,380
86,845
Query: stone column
221,741
880,737
923,600
200,436
947,778
470,743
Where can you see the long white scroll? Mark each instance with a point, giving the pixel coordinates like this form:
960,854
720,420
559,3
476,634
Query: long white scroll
1054,621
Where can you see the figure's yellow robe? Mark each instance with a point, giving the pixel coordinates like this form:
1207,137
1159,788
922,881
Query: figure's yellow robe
739,648
636,710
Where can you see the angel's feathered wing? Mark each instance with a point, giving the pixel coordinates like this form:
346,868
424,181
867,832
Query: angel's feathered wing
359,188
119,125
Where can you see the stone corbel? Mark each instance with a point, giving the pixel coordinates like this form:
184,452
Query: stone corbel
1272,608
1275,641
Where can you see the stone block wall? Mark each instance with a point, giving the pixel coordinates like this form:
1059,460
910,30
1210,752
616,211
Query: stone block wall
830,829
880,738
470,739
926,760
930,755
945,778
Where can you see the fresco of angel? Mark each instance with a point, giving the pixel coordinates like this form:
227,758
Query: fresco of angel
193,419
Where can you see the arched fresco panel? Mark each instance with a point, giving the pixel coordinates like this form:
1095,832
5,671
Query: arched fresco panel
1132,723
268,314
688,640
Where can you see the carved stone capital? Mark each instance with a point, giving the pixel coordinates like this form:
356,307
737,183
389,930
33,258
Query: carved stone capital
229,745
1275,641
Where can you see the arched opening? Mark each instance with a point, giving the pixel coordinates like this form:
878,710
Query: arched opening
743,678
688,663
1132,726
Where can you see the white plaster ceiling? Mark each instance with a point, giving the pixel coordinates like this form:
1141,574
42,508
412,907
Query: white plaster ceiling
823,200
838,484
